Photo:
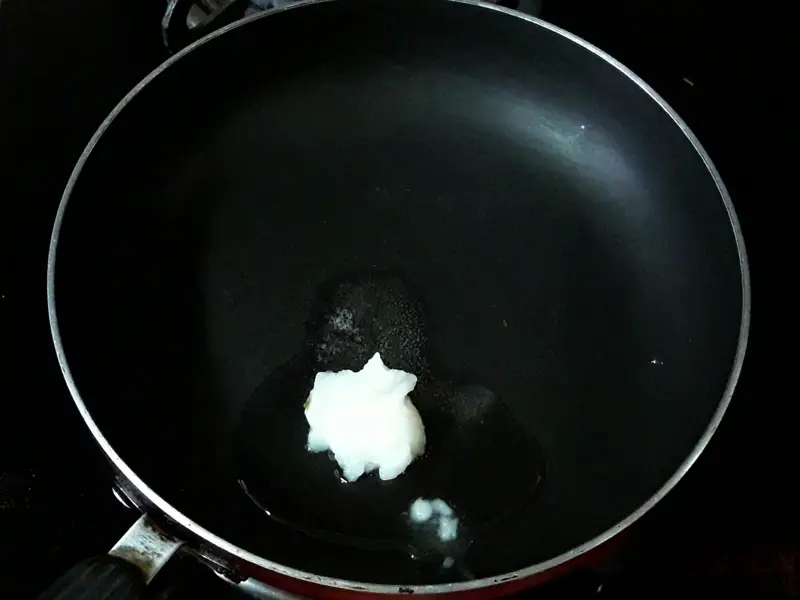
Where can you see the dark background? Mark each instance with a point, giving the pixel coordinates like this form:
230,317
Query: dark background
731,528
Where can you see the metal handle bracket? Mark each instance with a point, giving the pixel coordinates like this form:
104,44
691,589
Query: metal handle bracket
146,547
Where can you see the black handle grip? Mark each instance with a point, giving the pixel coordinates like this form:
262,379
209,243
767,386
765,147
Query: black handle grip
102,578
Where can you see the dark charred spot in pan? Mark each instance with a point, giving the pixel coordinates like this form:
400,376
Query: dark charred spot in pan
362,313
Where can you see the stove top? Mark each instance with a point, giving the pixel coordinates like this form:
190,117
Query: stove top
731,527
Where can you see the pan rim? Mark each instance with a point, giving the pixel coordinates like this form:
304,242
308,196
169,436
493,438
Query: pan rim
209,537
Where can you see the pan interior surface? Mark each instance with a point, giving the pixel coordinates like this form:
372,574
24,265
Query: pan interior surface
573,251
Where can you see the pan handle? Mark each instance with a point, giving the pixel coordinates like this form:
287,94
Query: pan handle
122,574
186,21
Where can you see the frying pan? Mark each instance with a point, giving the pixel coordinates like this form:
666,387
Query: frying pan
491,202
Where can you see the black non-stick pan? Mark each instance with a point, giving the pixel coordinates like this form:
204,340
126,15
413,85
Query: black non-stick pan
499,207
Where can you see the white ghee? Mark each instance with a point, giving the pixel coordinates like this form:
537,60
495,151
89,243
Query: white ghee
366,419
439,513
